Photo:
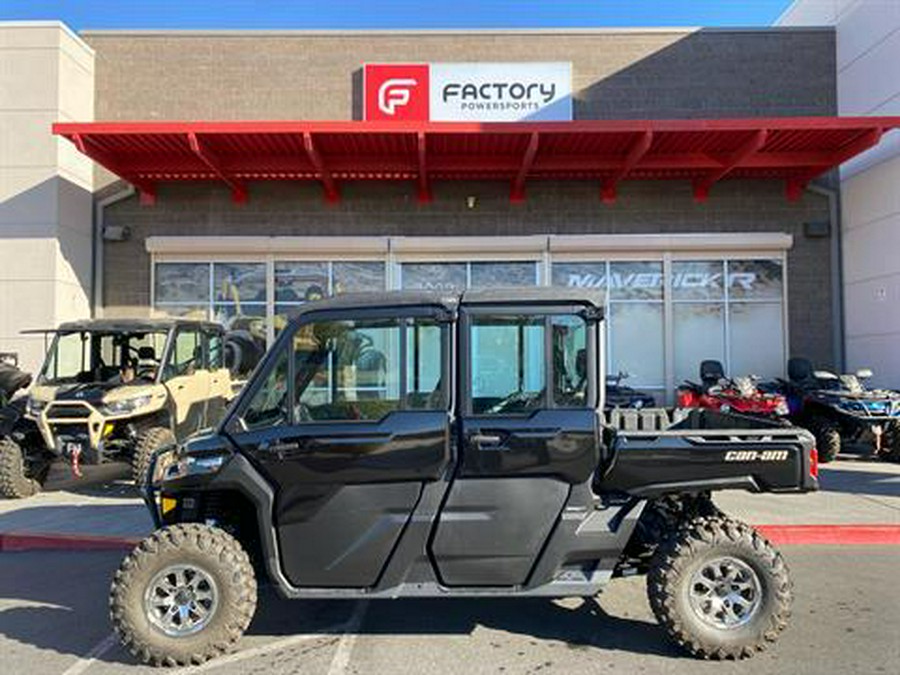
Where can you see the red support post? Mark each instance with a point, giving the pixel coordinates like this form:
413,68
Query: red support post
332,195
425,195
746,150
517,191
214,164
635,154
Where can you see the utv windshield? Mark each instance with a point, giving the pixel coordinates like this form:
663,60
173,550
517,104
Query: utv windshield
108,358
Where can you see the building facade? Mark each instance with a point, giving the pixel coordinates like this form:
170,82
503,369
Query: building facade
868,47
742,277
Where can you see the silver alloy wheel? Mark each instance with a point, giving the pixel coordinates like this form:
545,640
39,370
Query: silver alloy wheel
725,593
181,600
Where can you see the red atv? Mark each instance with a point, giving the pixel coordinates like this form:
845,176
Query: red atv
737,395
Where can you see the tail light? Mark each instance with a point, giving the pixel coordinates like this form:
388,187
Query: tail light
814,463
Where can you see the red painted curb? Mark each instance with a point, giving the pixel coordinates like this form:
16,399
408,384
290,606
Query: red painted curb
834,535
23,541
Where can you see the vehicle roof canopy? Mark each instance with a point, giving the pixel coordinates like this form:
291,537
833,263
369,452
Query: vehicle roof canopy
451,300
127,326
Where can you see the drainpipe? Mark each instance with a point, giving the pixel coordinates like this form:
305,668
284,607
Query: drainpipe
97,254
837,273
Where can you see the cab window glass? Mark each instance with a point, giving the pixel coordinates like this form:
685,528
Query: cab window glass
347,370
187,354
216,351
570,373
269,405
508,373
424,358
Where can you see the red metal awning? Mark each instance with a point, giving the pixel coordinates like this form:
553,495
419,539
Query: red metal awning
793,149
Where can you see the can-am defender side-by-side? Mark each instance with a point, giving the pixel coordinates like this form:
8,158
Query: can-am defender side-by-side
741,395
419,445
119,390
840,409
20,476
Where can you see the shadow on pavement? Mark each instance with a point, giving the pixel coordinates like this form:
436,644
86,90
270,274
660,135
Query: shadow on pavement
103,520
63,609
886,484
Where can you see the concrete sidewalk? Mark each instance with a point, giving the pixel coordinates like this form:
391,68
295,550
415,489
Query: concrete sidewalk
854,492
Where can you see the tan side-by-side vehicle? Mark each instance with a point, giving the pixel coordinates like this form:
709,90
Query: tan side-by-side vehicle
119,390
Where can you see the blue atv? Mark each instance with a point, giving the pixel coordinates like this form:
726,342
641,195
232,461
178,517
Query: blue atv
840,409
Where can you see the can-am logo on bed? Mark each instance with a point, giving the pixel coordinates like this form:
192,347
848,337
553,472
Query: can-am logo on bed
468,92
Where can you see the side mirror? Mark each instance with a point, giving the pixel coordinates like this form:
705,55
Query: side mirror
864,373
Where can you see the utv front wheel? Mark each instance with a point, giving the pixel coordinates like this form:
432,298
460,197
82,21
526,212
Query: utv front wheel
719,589
149,442
15,483
185,595
828,438
891,443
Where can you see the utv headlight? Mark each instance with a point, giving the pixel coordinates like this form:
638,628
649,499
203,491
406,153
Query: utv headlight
170,467
34,408
126,405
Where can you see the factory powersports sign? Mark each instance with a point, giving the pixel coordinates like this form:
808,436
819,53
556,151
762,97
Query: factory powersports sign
468,92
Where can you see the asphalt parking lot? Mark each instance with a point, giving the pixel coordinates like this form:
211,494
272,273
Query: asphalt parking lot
53,620
53,616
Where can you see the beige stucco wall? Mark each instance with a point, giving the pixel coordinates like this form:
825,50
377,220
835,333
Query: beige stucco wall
46,75
868,50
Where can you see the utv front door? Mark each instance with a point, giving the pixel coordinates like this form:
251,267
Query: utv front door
529,433
186,376
348,423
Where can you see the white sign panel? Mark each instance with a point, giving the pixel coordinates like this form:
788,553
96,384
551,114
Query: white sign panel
500,92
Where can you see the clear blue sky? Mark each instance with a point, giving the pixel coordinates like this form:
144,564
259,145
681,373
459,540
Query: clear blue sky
81,14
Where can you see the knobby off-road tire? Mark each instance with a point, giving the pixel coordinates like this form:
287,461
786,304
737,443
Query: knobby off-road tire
890,449
148,443
828,438
135,604
719,543
14,482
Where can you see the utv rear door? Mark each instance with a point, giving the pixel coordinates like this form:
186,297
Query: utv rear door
528,434
348,422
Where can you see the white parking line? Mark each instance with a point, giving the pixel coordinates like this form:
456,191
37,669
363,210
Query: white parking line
98,650
341,659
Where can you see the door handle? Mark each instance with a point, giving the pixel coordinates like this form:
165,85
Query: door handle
486,439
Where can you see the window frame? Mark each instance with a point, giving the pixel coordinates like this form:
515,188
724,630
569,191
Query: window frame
403,316
470,312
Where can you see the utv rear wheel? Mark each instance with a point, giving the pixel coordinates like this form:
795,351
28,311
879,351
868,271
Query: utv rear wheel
15,483
828,438
149,442
719,589
185,595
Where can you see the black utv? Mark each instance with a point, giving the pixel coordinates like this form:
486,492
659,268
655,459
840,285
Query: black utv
422,445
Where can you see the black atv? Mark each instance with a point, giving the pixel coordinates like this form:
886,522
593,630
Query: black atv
839,409
619,395
20,476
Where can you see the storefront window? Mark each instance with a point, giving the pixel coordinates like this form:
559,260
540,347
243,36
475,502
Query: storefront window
182,289
458,276
634,292
722,310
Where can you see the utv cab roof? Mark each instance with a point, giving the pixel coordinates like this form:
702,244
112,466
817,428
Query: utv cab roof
127,326
451,300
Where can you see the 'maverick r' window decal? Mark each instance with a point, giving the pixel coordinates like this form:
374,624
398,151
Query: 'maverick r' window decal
468,92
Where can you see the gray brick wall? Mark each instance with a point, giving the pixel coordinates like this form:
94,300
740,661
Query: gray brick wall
634,74
566,208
